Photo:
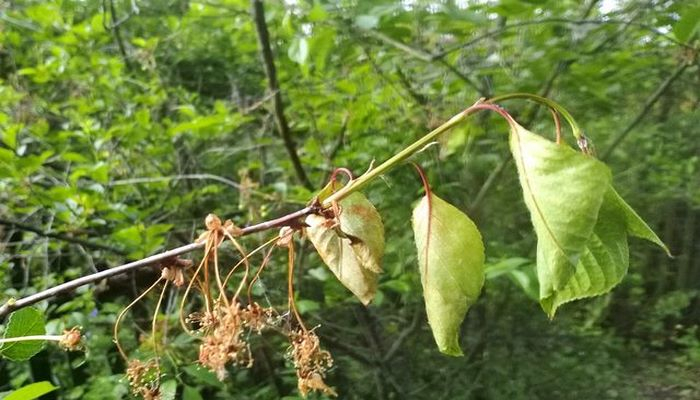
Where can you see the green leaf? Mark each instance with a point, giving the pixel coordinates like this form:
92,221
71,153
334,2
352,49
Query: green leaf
25,322
168,389
605,260
31,391
563,190
635,224
9,135
191,393
688,24
451,262
354,248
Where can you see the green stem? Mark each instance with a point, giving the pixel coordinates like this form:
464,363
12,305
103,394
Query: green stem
55,338
576,130
363,180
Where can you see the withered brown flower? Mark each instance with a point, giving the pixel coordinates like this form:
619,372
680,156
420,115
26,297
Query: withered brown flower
224,342
311,363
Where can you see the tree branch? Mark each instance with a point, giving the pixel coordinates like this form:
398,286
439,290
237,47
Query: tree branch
114,27
645,109
292,219
62,237
426,57
273,86
515,25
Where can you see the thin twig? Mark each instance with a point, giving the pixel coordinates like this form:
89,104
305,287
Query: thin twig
273,86
645,109
62,237
291,219
115,28
564,21
211,177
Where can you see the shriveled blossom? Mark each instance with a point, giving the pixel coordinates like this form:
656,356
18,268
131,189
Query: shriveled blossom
173,270
310,362
257,318
143,378
224,342
71,339
203,320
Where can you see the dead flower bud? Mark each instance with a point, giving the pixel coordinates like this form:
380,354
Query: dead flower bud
310,362
172,269
285,237
71,339
212,222
232,229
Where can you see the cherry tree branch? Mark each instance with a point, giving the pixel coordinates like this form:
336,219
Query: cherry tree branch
273,86
291,219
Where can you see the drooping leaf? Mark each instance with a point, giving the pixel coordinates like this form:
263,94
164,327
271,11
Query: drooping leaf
451,263
361,222
635,224
338,255
24,322
31,391
352,246
563,190
605,261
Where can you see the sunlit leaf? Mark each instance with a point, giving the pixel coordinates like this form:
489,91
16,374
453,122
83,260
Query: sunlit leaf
24,322
31,391
299,50
451,262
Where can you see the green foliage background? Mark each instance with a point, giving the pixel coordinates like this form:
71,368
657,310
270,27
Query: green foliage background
126,127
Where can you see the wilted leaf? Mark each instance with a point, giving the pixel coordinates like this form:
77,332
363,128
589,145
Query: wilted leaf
354,248
581,222
24,322
563,189
361,222
605,259
338,255
451,262
635,224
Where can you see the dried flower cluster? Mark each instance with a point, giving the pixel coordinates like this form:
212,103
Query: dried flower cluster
226,323
144,379
223,341
310,362
224,329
